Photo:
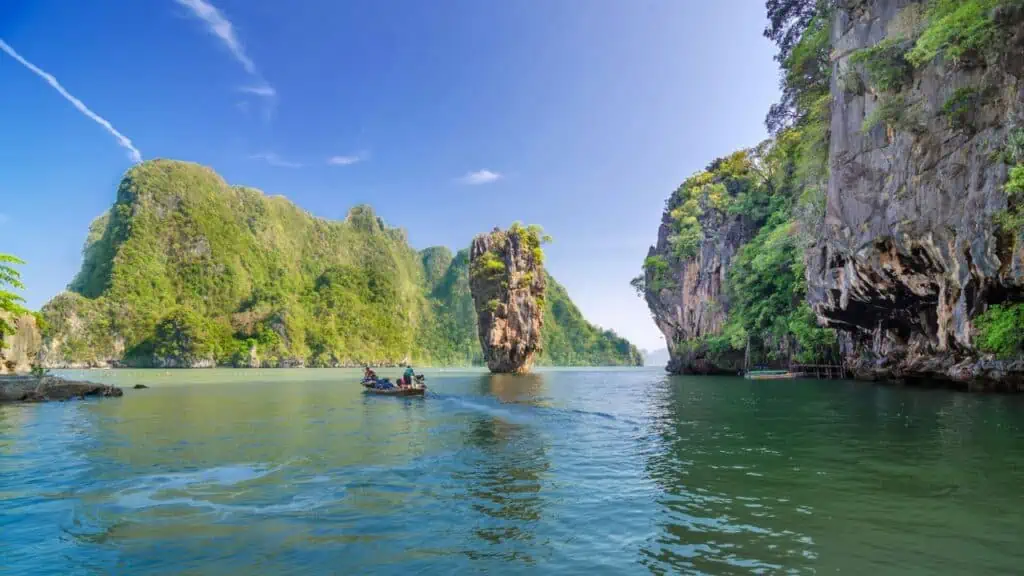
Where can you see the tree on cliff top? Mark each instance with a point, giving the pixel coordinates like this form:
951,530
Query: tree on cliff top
10,302
800,28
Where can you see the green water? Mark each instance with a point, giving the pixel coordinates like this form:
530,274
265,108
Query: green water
622,471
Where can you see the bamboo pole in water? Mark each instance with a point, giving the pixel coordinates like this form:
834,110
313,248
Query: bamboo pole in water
746,356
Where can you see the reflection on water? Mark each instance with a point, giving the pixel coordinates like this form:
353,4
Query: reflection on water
834,476
613,471
514,388
506,479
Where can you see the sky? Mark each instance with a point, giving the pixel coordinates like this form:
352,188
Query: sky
449,117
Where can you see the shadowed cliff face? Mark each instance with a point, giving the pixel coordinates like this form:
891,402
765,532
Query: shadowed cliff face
694,303
507,281
912,251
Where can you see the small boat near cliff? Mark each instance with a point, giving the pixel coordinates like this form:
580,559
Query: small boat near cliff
771,375
373,386
410,391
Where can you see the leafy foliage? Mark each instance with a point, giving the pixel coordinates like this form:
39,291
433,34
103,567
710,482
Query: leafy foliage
1015,146
184,334
896,113
887,68
957,30
778,189
489,264
801,30
1015,183
788,20
10,302
721,189
768,295
569,340
1011,220
38,371
1001,330
957,108
766,186
184,265
658,268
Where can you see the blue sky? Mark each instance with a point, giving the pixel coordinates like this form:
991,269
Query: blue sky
448,116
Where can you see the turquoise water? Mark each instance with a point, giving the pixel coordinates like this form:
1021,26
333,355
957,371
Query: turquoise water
566,471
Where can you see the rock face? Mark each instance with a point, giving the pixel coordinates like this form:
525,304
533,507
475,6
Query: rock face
20,350
270,285
694,303
911,251
507,282
48,388
70,343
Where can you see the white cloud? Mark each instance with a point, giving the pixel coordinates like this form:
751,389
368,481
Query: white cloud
346,160
480,177
123,140
222,28
263,90
274,160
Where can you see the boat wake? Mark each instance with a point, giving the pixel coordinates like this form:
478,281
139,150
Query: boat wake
516,417
213,489
519,413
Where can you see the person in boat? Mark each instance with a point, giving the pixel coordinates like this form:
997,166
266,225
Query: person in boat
409,375
369,374
384,384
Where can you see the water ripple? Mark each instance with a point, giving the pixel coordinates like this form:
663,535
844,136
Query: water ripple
592,471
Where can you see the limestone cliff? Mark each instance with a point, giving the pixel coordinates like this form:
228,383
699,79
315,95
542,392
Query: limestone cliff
507,281
687,297
912,251
884,227
186,270
18,351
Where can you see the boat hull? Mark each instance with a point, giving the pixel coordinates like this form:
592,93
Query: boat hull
396,391
772,376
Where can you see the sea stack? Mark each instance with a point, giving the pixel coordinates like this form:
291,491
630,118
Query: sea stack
507,281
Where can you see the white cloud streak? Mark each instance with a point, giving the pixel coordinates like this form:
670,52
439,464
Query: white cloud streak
221,27
123,140
274,160
346,160
264,90
480,177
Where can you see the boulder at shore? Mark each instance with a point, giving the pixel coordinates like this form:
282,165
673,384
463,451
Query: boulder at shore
48,388
507,281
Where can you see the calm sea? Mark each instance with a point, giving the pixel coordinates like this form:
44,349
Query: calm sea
602,471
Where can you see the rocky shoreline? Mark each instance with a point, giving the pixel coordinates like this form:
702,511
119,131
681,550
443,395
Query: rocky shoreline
118,364
51,388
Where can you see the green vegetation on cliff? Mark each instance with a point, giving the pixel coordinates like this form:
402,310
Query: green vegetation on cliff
569,340
777,190
186,269
1001,330
10,302
765,281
